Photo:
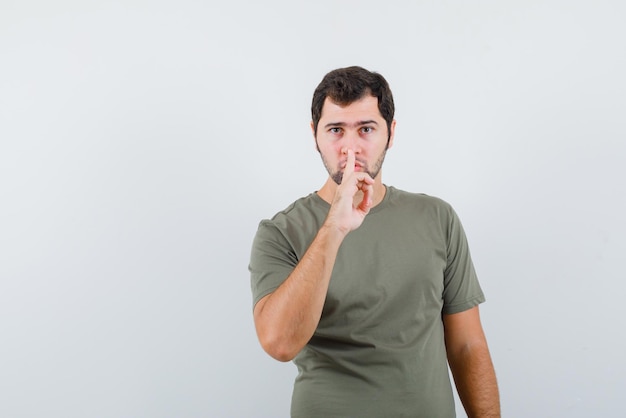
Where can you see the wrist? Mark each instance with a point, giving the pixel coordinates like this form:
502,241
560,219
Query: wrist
333,231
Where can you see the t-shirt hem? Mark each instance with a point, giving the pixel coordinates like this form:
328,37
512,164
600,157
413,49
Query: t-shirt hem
461,307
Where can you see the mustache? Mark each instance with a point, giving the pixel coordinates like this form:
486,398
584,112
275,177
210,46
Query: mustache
359,162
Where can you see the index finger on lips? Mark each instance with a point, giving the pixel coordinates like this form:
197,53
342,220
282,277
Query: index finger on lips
349,169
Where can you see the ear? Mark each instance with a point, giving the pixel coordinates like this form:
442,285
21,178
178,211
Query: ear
317,148
392,132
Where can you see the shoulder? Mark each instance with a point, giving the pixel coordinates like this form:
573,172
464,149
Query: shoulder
297,222
298,211
429,211
418,201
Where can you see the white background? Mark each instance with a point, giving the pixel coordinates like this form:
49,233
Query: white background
142,142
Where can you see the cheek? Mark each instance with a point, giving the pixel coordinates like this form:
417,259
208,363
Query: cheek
332,149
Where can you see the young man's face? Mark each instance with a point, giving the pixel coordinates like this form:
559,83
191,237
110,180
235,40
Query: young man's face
358,126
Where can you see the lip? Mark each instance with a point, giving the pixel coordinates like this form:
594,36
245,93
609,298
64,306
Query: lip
357,164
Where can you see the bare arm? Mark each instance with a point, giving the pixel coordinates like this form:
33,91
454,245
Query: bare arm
286,319
470,362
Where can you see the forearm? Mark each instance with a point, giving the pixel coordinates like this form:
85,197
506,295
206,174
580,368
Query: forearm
475,380
286,319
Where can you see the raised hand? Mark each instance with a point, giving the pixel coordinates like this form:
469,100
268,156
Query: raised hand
352,200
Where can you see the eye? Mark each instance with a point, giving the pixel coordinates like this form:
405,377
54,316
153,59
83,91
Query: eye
335,130
367,129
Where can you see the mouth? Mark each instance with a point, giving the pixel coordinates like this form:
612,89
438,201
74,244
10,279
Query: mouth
357,165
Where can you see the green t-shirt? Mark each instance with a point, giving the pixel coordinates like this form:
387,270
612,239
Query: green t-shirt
379,349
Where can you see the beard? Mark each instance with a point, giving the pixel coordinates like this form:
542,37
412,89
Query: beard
337,175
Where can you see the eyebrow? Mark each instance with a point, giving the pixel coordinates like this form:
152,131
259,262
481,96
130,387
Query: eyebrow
342,124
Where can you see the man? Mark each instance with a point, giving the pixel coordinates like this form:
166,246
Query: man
369,289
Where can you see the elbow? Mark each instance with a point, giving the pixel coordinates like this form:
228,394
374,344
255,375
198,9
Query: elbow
465,351
278,348
275,337
281,355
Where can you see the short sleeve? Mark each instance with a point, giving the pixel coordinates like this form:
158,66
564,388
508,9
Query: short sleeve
271,261
462,290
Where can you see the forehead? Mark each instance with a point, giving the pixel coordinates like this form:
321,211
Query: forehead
366,107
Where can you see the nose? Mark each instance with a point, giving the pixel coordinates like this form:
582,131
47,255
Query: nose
351,141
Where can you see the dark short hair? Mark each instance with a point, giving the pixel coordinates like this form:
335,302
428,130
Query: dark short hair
347,85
